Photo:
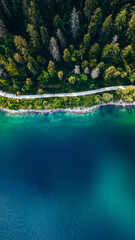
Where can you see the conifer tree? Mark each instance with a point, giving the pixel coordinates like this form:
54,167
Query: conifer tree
131,28
86,40
66,55
90,6
75,25
120,21
61,38
44,36
6,8
32,65
25,7
106,30
20,43
17,4
34,36
51,69
95,22
57,22
63,6
3,31
34,15
54,49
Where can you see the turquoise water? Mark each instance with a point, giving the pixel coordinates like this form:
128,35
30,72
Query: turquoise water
65,177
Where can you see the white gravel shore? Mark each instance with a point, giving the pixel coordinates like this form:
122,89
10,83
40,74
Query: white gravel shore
75,111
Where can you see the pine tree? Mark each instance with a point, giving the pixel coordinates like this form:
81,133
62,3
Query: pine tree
6,8
111,53
106,30
131,31
57,22
120,21
3,31
90,6
66,55
25,7
34,36
75,25
131,28
20,43
86,40
61,38
34,15
95,22
54,49
51,69
60,75
63,6
32,65
17,4
44,36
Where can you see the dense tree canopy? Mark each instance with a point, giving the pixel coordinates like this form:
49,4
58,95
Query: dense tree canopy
57,45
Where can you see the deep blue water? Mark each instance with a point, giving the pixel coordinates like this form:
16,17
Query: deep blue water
65,177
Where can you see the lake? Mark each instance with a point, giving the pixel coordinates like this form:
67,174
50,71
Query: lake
67,177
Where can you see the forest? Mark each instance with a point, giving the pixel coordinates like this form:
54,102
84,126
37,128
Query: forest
49,46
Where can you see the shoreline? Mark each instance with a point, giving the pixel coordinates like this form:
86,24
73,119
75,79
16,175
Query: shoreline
74,111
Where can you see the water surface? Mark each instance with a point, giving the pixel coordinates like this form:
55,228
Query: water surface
66,177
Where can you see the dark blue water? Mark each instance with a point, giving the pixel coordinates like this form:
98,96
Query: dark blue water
65,177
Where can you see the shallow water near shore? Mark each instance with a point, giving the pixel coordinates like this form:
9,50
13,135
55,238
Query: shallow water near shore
68,177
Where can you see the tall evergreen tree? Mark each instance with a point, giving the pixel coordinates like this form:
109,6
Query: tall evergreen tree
44,36
61,38
75,25
6,8
34,35
106,30
3,31
95,22
34,15
63,6
54,49
90,6
57,22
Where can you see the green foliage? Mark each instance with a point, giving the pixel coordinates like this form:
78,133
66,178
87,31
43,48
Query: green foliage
94,51
66,55
44,36
86,40
44,78
32,66
121,21
72,80
36,37
131,28
109,76
107,97
34,15
51,69
127,54
57,23
90,6
60,75
127,95
106,30
33,35
111,53
95,22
